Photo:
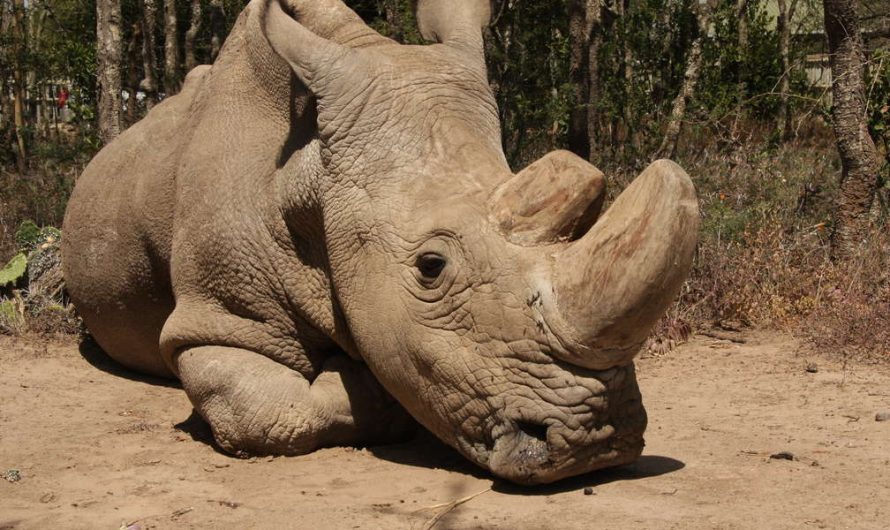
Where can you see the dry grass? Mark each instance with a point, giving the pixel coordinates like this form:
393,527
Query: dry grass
763,257
41,195
851,311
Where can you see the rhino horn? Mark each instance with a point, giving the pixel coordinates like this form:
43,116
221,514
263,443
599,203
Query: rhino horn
556,198
317,61
612,285
455,23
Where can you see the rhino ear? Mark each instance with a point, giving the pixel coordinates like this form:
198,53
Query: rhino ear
556,198
314,59
453,22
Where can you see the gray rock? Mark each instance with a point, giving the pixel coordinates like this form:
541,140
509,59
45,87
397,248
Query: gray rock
883,416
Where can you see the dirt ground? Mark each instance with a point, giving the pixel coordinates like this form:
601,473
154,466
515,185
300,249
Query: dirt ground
97,447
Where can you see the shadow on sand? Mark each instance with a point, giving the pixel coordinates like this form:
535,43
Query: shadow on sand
199,430
423,450
93,354
646,466
427,451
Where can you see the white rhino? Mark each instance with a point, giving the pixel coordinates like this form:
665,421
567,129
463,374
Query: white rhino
321,232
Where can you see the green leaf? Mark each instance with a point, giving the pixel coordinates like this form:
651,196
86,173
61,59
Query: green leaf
27,234
14,270
8,311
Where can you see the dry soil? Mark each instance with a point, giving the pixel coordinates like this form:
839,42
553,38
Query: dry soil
97,447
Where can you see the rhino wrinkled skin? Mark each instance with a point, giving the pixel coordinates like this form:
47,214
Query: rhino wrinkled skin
321,238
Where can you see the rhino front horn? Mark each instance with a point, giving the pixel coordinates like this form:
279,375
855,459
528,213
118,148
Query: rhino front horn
612,285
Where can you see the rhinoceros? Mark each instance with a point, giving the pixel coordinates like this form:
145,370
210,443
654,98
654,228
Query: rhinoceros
321,238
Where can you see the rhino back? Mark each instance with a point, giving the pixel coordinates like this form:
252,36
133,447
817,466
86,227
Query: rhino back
118,227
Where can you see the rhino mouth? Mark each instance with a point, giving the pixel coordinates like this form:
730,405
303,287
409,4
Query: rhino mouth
533,453
523,452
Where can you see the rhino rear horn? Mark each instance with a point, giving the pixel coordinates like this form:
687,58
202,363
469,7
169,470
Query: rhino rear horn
556,198
456,23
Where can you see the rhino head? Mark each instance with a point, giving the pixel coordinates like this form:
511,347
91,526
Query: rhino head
501,310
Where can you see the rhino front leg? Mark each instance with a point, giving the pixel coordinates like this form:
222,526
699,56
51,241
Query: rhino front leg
257,406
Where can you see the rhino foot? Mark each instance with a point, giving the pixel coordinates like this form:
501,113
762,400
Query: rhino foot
257,406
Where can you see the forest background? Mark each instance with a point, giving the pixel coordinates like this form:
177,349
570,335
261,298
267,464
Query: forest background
778,109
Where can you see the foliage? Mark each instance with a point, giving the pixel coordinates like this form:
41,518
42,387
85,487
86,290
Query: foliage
12,315
13,271
40,197
30,236
27,234
63,43
878,93
528,70
32,295
57,50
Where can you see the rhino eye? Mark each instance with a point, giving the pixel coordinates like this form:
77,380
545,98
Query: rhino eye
431,265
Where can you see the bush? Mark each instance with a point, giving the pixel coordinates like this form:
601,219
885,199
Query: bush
32,294
763,257
851,310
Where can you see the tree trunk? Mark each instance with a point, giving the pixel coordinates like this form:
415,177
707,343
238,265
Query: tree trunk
5,103
665,73
217,28
741,13
5,111
783,25
585,38
194,27
628,71
859,160
579,142
171,49
134,55
149,58
35,89
690,80
595,41
108,71
499,43
20,47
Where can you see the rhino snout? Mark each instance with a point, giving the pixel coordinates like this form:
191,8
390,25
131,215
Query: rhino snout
558,442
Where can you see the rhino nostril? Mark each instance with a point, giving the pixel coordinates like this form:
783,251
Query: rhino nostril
534,430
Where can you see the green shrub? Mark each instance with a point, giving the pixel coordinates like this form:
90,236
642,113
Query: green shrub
14,271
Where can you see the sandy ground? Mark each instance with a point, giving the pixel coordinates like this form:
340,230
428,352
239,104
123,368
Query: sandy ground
97,447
